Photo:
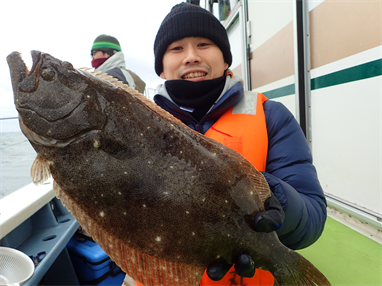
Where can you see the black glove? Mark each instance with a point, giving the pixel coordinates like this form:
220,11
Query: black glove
273,217
269,220
244,267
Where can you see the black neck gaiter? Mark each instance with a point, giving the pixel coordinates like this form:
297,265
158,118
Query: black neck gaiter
197,96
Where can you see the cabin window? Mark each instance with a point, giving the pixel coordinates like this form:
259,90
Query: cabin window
220,8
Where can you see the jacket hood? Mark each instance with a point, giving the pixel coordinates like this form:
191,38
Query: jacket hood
116,60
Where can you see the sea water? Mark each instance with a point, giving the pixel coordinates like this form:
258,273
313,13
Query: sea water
16,159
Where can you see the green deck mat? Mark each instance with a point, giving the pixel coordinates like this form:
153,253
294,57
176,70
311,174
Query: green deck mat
345,256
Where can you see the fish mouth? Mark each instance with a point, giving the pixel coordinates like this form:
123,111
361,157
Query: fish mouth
17,65
19,70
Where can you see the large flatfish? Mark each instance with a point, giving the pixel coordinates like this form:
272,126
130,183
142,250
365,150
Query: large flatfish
162,200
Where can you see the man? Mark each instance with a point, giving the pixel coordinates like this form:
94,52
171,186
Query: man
192,53
107,56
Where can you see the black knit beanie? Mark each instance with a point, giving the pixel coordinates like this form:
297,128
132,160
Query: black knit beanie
107,44
187,20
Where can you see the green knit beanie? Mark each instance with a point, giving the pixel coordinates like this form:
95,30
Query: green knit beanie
106,43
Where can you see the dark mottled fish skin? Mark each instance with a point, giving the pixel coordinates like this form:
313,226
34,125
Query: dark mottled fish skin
162,200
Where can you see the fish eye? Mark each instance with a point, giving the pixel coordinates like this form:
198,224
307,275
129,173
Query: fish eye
67,65
47,74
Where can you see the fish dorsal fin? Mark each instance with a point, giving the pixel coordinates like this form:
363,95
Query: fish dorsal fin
40,170
112,80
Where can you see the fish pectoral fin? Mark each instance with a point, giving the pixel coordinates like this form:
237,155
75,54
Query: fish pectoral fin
40,171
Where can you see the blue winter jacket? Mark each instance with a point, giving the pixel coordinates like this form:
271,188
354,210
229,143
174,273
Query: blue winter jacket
289,169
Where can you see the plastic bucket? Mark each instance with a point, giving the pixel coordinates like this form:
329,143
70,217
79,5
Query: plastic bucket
15,266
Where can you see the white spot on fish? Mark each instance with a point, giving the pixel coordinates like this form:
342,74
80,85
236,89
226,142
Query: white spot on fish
148,127
180,152
158,239
193,233
171,167
144,206
226,201
124,213
218,256
149,162
125,173
203,199
119,193
88,96
96,144
187,212
166,193
102,214
101,175
251,193
141,134
202,162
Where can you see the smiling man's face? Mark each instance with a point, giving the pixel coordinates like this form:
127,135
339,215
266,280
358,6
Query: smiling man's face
193,59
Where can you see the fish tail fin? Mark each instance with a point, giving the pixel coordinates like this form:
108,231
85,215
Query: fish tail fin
298,272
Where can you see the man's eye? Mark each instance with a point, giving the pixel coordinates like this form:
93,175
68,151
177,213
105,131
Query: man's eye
176,48
203,44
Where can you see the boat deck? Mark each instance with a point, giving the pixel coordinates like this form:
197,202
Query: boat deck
345,256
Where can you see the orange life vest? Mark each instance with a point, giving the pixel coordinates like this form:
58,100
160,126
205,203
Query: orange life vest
243,129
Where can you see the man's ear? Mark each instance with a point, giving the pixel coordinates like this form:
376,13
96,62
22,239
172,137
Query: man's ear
225,66
162,75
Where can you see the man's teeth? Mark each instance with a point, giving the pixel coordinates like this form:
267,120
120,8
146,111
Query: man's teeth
194,74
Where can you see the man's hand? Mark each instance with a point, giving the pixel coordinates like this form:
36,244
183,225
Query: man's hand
273,216
244,266
270,220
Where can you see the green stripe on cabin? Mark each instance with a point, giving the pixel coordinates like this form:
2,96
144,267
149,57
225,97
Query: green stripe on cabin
360,72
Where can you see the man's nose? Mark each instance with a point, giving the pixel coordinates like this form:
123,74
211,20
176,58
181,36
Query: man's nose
192,57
